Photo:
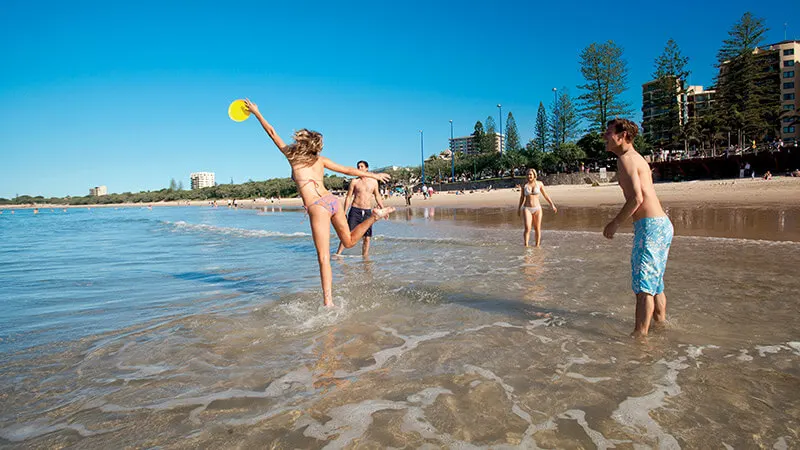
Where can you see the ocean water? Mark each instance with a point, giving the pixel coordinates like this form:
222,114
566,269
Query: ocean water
189,327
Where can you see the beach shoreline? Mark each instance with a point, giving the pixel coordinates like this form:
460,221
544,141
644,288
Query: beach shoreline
742,192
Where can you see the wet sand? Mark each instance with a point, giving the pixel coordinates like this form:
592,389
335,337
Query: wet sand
780,223
740,192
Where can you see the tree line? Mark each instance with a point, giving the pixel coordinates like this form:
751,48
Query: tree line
275,187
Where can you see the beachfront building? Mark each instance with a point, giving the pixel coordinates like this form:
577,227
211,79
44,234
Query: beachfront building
694,103
654,126
202,180
781,58
788,60
777,62
466,145
697,102
98,191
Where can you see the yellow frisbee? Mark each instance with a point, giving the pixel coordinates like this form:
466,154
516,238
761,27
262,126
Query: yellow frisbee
238,111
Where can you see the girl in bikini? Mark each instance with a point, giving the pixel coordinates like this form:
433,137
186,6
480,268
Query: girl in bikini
529,200
308,168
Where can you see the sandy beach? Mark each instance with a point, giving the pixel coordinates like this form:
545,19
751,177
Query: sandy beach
735,192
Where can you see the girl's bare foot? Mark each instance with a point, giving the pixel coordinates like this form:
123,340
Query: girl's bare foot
382,213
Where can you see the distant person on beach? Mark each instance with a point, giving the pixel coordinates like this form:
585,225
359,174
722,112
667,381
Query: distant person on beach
768,175
652,229
408,192
360,193
308,170
532,212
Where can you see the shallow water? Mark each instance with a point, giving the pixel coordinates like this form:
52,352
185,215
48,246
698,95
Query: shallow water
199,327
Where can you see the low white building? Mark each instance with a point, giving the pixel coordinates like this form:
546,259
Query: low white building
202,180
98,191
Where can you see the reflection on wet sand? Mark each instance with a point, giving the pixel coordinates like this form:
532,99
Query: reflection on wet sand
328,362
774,224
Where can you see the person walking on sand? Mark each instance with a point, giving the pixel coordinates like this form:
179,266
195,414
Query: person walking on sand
407,193
532,212
652,229
361,192
308,169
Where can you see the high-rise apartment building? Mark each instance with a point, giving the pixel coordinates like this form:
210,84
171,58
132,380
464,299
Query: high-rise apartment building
782,58
788,56
467,145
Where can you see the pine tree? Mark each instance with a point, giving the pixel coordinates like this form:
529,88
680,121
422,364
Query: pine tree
489,143
479,137
491,125
512,134
670,83
564,121
606,75
748,86
540,134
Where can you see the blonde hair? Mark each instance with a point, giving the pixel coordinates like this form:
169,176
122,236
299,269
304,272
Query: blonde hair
535,176
305,149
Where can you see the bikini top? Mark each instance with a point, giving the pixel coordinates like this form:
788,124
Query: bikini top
536,190
306,183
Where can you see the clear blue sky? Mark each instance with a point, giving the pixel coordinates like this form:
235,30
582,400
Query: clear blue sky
132,94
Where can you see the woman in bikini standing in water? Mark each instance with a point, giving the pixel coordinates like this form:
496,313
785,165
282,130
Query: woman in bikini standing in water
529,200
308,169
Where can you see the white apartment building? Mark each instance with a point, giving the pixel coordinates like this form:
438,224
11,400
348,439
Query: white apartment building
98,191
466,144
202,180
697,102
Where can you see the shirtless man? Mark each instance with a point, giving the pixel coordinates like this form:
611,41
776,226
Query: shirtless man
360,192
652,229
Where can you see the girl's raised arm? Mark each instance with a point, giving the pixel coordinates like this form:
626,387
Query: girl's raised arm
352,171
267,127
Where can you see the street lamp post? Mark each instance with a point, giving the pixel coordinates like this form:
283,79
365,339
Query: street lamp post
422,156
452,156
500,114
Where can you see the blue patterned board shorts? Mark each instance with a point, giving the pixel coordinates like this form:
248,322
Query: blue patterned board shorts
652,237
